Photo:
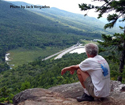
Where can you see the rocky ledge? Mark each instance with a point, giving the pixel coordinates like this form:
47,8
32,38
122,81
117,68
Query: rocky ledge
66,94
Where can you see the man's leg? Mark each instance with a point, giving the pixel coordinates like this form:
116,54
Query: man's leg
82,76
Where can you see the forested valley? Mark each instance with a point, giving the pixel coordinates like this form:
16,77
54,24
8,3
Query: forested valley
24,29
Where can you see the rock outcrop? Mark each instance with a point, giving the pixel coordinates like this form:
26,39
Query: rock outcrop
66,94
75,89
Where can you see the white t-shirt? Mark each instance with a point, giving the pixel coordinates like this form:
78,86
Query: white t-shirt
98,69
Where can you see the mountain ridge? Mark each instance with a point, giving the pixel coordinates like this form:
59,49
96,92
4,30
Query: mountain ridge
22,28
79,18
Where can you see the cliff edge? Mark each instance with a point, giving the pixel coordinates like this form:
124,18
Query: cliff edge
66,94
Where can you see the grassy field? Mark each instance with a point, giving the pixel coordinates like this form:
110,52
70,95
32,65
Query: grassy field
22,56
88,41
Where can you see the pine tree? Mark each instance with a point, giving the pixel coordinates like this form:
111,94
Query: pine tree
116,41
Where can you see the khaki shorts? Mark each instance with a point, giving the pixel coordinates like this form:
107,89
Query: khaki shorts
89,86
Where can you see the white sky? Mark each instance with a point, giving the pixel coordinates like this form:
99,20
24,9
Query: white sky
68,5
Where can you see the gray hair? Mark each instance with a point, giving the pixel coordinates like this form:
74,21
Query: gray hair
91,49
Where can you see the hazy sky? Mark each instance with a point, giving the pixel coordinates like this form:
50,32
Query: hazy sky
68,5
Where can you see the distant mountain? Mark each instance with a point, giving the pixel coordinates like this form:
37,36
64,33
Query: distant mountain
78,21
46,27
21,26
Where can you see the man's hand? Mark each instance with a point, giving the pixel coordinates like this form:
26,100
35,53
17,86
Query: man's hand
72,72
63,71
70,68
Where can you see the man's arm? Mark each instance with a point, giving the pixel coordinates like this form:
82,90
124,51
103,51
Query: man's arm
70,68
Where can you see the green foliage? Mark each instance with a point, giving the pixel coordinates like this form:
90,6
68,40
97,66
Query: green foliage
114,71
3,66
5,95
25,85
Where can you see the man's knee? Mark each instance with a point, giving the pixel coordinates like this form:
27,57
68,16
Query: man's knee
79,71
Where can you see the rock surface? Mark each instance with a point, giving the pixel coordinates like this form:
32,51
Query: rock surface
72,90
66,94
75,89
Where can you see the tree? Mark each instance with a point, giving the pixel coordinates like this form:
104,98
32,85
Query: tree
25,85
116,41
5,95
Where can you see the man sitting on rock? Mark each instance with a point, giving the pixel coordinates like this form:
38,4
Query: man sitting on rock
93,74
